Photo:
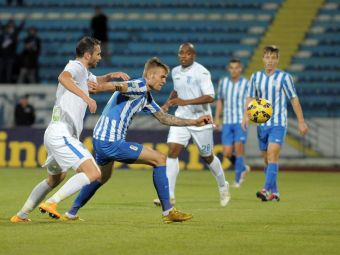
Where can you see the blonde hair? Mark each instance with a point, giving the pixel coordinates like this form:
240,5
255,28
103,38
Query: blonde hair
153,63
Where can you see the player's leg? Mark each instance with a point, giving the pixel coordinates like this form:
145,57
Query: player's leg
263,135
204,141
158,161
178,138
70,153
40,191
227,143
276,139
88,191
240,138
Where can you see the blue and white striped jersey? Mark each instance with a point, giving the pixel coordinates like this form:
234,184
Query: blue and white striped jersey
233,95
276,88
120,109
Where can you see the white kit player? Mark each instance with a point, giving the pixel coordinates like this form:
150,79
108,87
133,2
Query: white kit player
193,91
61,137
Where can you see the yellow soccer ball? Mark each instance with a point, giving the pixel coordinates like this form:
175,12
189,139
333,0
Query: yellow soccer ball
259,110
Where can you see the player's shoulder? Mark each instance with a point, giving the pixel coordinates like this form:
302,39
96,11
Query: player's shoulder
75,66
175,70
200,68
225,78
283,74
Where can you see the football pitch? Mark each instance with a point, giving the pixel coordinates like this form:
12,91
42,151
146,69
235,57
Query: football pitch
121,218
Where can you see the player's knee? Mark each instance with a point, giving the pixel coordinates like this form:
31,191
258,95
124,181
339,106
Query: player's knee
227,154
159,160
54,180
272,157
208,159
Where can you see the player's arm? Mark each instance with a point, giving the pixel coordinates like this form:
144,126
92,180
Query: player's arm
219,106
303,128
205,99
110,76
171,120
107,86
245,119
65,79
173,95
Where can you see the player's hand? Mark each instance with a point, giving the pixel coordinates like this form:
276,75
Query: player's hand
120,75
176,101
217,123
165,107
94,87
303,128
245,123
92,104
203,120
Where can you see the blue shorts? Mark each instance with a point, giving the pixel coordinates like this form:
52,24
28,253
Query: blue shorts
270,134
233,133
122,151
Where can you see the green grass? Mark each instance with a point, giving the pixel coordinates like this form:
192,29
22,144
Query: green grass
121,218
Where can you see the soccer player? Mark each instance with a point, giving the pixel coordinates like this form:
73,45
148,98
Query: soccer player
61,137
110,131
193,92
231,97
276,86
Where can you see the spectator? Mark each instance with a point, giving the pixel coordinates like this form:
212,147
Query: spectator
8,48
24,112
29,58
19,2
99,30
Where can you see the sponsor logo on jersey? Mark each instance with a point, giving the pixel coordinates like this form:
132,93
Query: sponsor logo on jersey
134,84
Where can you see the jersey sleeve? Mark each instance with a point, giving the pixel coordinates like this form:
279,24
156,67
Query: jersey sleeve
136,88
289,87
220,89
207,86
251,86
151,107
75,69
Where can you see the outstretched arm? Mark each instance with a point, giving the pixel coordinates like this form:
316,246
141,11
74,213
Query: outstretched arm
171,120
110,76
205,99
173,95
107,87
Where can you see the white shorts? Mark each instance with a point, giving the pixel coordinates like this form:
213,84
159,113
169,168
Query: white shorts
202,138
64,151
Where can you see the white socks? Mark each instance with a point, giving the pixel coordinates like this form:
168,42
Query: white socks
217,170
74,184
37,195
172,170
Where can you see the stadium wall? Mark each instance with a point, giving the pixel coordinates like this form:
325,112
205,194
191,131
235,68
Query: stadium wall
22,147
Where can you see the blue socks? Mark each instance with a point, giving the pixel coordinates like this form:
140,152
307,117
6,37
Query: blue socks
160,181
84,195
271,177
239,168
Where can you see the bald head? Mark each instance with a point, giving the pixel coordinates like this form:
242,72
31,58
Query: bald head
186,54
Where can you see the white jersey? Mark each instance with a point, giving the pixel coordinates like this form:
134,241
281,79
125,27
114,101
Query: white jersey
276,88
190,83
69,109
233,95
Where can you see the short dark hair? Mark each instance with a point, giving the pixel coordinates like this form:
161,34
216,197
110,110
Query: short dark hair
86,44
271,49
155,62
235,60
